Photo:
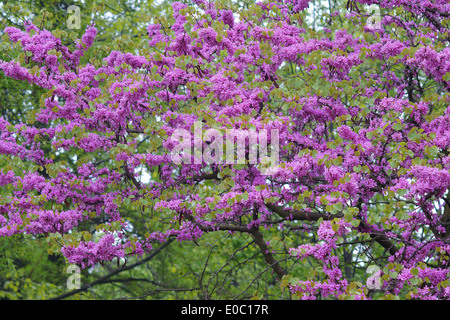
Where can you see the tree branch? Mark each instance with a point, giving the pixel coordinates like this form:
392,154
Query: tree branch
105,278
299,215
259,240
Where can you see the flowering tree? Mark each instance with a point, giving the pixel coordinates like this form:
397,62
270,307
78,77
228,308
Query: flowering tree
359,101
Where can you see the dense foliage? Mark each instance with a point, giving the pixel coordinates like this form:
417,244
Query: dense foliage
356,208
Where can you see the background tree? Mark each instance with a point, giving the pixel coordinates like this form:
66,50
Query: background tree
361,109
19,99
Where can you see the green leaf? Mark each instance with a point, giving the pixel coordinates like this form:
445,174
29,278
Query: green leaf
414,271
446,77
397,126
335,227
433,151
